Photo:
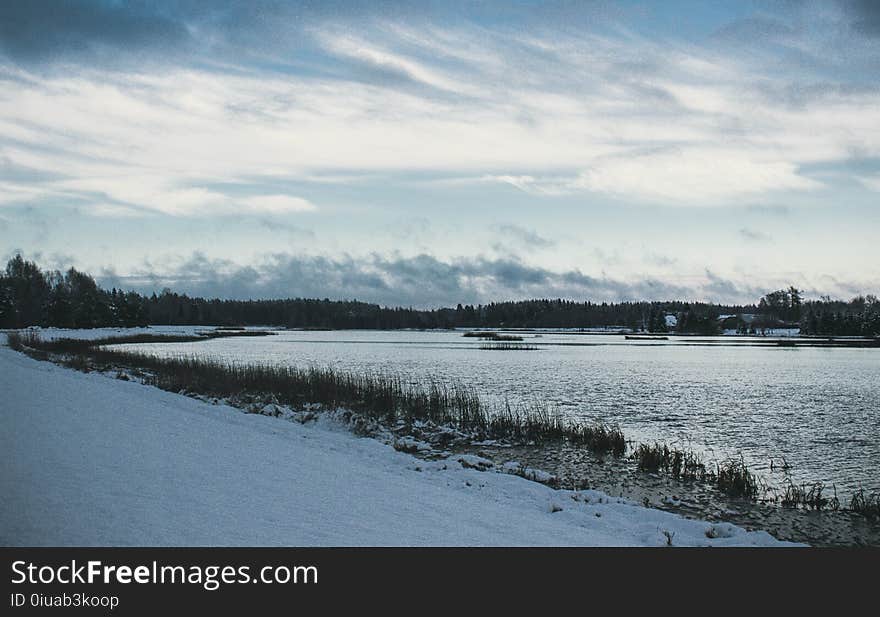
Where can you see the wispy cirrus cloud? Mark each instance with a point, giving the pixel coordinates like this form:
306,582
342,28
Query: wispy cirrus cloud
560,113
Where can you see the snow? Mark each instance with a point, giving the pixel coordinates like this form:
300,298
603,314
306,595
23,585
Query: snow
90,460
518,468
780,332
96,333
767,332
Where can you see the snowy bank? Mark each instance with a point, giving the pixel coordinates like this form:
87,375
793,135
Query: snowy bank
91,334
89,460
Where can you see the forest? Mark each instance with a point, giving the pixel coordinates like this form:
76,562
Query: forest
30,296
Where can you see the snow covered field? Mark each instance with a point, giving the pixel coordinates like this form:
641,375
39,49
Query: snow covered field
96,333
90,460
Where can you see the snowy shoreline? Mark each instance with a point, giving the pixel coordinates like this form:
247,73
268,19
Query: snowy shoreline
96,461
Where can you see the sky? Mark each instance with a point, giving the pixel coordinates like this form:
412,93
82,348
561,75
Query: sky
431,153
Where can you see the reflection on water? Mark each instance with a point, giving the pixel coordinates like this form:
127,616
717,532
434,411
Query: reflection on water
819,408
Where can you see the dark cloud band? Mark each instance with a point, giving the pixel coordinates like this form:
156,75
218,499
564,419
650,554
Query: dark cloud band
420,281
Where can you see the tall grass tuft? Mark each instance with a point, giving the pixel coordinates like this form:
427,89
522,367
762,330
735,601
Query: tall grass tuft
735,479
731,477
681,464
864,503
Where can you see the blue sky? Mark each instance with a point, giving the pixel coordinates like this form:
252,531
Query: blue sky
435,153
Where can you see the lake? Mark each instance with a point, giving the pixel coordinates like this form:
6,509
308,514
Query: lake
818,408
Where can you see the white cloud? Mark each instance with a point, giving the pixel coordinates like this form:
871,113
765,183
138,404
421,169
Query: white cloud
693,177
549,115
278,204
112,211
136,195
533,185
148,192
353,47
13,193
870,182
676,176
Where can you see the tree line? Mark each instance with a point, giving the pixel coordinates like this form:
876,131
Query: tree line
73,299
825,316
